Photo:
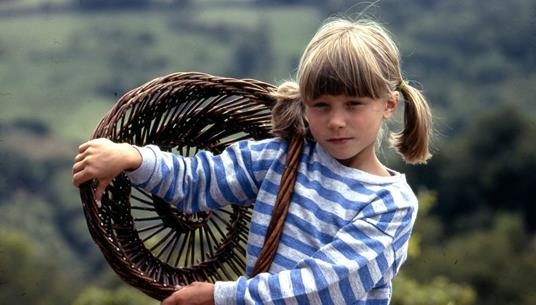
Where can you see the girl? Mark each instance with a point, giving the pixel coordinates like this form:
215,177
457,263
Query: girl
347,229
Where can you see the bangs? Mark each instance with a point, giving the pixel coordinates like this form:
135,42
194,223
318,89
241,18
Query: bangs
344,77
344,64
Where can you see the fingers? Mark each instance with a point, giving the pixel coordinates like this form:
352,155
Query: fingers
79,176
82,148
79,157
173,299
195,293
101,188
169,300
80,171
99,159
95,142
99,203
84,167
78,165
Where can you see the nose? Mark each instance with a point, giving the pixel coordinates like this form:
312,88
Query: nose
336,120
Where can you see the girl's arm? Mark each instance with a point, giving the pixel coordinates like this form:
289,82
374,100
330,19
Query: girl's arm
364,255
202,182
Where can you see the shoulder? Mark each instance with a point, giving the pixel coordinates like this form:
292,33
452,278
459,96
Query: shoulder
393,209
264,149
274,144
401,192
396,195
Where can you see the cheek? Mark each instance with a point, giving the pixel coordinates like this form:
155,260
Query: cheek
373,117
309,118
314,123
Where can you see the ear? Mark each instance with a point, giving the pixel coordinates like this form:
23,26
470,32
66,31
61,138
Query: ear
392,103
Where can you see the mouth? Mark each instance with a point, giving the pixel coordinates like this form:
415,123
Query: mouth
338,140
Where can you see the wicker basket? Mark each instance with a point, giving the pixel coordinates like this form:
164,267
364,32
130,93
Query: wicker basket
146,241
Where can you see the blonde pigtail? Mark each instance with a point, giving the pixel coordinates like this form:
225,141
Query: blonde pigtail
288,114
412,143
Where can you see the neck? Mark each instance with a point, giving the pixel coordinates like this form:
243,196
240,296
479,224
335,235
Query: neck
367,161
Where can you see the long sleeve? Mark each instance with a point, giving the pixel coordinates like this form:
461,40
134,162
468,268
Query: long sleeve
345,235
202,182
362,256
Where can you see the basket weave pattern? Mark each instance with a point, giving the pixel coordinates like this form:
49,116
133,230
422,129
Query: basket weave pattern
148,242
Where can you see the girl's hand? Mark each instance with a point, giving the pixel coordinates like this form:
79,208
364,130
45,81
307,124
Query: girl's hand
197,293
103,160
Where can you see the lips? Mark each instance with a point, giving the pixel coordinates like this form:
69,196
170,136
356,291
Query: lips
339,140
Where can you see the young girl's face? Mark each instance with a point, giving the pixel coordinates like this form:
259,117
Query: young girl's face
347,126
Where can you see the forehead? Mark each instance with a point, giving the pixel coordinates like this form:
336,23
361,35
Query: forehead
341,98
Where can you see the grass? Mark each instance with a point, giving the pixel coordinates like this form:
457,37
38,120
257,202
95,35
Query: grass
290,29
51,66
28,4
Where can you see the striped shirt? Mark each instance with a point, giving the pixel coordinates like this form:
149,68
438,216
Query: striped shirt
345,236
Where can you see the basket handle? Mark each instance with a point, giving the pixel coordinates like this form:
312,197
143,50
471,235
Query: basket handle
282,203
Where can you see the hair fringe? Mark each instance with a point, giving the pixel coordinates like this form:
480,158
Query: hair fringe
413,142
288,114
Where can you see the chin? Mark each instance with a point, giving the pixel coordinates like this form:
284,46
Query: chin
341,157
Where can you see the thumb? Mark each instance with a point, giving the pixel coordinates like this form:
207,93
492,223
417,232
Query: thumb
99,191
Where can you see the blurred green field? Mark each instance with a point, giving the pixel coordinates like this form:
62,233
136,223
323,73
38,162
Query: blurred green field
53,66
29,4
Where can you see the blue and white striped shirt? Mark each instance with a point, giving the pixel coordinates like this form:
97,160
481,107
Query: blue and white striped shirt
345,236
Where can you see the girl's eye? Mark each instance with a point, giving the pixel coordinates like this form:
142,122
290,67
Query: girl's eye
320,105
354,103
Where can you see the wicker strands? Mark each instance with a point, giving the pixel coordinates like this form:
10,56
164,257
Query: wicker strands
148,242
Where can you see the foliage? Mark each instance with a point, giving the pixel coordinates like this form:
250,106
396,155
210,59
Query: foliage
38,199
252,51
103,4
119,296
490,166
119,58
465,54
496,261
92,5
438,291
435,289
30,277
74,66
25,171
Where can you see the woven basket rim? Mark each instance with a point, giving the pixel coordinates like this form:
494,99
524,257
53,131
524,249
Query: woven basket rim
107,229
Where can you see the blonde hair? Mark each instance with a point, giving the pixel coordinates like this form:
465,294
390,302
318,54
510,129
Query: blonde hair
354,59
